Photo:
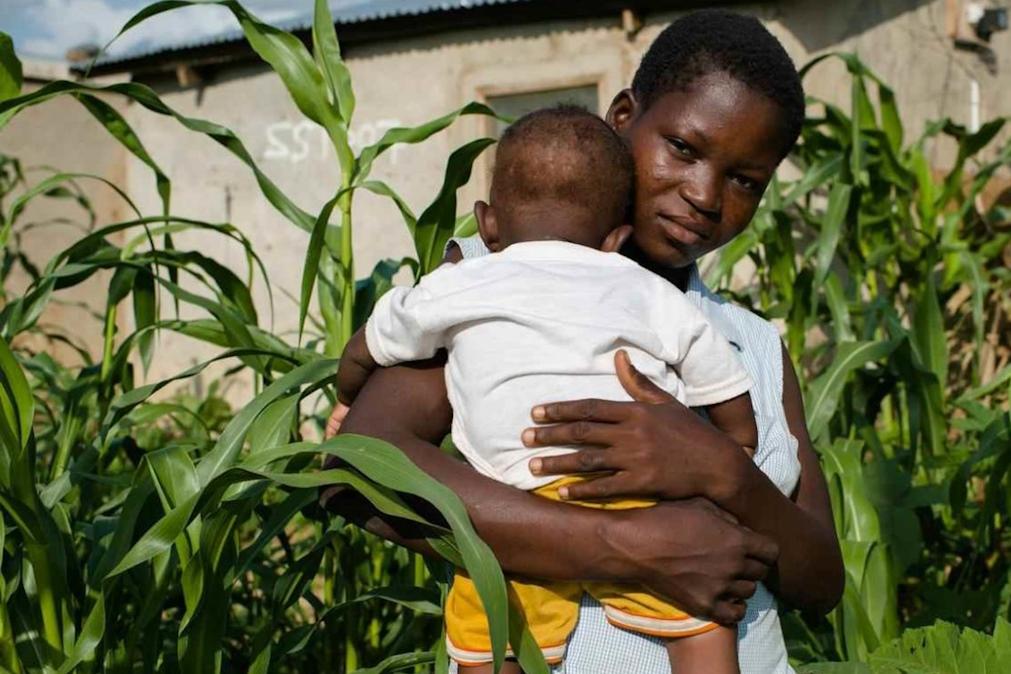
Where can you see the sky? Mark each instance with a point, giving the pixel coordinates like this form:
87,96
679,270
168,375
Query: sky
45,29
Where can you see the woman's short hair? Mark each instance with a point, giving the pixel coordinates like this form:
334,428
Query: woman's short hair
715,40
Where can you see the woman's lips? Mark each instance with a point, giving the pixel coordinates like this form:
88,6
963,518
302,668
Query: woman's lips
680,231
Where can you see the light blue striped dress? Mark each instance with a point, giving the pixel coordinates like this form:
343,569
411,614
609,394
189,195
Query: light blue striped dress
596,647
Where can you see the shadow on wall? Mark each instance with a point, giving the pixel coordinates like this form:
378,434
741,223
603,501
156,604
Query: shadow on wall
819,25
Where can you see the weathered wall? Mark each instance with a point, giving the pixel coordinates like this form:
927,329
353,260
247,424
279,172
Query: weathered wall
414,80
61,134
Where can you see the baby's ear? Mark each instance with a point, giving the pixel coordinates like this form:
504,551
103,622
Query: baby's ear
616,239
487,225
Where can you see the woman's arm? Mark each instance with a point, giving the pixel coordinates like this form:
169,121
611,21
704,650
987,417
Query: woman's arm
688,551
810,572
656,446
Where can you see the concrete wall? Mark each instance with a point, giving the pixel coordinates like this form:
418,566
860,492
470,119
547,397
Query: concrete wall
411,81
60,134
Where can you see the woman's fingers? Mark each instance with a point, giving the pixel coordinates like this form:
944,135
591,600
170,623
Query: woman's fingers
762,548
333,424
584,461
603,487
729,612
575,433
739,590
636,384
590,409
754,570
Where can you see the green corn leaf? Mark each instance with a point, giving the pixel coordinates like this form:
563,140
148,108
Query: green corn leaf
826,390
16,402
46,187
10,69
284,52
386,465
227,448
369,290
927,335
144,314
382,189
942,648
173,474
147,98
120,129
436,223
273,426
313,252
813,178
398,663
415,134
831,229
91,636
327,54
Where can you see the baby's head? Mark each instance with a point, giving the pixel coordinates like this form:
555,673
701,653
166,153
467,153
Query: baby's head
560,174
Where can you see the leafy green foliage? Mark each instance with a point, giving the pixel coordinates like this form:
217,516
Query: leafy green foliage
943,648
892,279
150,532
150,527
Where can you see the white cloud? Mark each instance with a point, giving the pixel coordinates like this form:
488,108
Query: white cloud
57,25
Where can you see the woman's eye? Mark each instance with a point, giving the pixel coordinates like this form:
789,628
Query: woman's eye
680,146
747,183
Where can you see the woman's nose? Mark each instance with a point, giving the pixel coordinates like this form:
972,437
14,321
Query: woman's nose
703,192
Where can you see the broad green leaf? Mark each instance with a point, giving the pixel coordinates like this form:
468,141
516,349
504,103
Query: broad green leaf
147,98
436,223
415,134
10,69
388,466
831,229
312,257
327,55
826,390
16,401
927,335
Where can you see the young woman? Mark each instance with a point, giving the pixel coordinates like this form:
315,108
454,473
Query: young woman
714,107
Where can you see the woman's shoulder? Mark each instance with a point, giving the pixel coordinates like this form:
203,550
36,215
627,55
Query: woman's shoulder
742,325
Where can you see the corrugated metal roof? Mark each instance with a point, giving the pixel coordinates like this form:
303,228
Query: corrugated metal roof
344,12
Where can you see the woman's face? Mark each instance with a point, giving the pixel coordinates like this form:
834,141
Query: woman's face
703,157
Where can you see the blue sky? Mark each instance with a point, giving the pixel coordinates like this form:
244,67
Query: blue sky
45,29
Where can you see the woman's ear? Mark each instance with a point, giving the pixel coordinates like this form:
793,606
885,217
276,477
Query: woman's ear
623,110
487,226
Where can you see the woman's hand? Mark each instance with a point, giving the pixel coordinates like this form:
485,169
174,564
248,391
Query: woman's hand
693,553
654,446
333,424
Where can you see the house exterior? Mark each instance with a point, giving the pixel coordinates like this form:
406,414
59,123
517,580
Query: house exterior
414,60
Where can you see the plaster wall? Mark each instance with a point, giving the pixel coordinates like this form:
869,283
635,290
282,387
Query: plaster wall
411,81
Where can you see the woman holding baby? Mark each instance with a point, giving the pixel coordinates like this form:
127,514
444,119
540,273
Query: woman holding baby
714,107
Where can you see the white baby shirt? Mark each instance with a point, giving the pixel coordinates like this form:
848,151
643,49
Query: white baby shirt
540,322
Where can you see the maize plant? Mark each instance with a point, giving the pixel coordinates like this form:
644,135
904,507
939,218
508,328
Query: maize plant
146,530
894,284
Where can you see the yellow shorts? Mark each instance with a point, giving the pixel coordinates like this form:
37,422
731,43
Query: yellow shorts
551,609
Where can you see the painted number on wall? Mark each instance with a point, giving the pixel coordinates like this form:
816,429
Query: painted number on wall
298,141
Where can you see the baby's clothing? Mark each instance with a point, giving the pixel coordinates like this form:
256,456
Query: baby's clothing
541,322
552,608
536,323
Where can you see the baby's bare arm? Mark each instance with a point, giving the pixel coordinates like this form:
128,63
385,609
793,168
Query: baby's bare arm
356,365
736,418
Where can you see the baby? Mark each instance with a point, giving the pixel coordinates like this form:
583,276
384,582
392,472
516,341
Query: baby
541,319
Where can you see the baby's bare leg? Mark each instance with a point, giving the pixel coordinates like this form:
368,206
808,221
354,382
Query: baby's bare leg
508,667
713,652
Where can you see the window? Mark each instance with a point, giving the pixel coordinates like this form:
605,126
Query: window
517,105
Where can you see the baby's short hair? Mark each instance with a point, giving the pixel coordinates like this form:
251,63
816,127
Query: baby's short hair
563,155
